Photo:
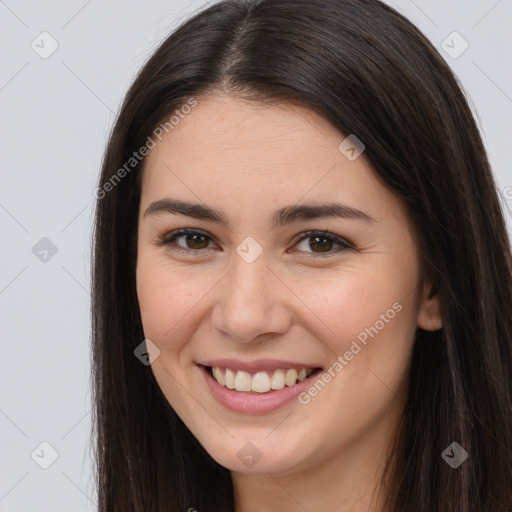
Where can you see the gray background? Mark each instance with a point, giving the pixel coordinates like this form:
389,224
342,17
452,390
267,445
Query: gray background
56,113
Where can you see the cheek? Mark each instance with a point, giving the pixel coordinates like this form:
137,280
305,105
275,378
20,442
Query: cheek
373,318
168,297
168,301
353,304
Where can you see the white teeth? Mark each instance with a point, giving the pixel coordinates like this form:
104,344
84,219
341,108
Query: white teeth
219,376
291,377
243,381
229,379
277,380
260,382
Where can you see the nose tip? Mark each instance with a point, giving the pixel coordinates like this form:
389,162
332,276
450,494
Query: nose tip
248,326
250,304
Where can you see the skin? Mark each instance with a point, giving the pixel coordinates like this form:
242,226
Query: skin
248,159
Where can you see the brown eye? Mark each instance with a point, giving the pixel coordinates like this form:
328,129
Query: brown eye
322,243
191,240
195,241
325,244
319,244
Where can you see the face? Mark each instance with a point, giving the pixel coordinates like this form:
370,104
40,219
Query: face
307,311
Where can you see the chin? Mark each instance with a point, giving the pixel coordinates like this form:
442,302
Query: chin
255,456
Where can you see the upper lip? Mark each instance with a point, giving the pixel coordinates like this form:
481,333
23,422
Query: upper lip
259,365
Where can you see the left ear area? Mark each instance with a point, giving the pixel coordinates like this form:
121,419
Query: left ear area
429,313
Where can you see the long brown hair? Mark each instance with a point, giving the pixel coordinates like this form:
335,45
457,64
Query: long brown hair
370,72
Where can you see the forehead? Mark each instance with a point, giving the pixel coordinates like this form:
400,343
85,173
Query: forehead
254,155
227,127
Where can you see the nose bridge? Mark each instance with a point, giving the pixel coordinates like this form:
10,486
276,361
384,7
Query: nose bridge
249,276
249,280
249,304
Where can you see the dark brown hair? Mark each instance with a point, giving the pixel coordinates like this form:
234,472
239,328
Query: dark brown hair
371,73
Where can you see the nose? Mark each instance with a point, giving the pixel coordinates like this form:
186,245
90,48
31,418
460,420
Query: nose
252,302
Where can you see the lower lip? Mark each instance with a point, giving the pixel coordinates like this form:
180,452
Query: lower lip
256,403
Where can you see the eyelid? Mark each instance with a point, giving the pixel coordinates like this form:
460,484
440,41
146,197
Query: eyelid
344,244
320,232
165,240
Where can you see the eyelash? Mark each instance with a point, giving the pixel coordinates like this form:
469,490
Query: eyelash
169,240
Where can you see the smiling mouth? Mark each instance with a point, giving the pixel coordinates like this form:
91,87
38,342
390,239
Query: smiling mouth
260,382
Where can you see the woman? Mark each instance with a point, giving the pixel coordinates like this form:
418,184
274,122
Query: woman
239,368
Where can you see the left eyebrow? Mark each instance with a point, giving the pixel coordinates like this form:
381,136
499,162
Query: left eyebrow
281,217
